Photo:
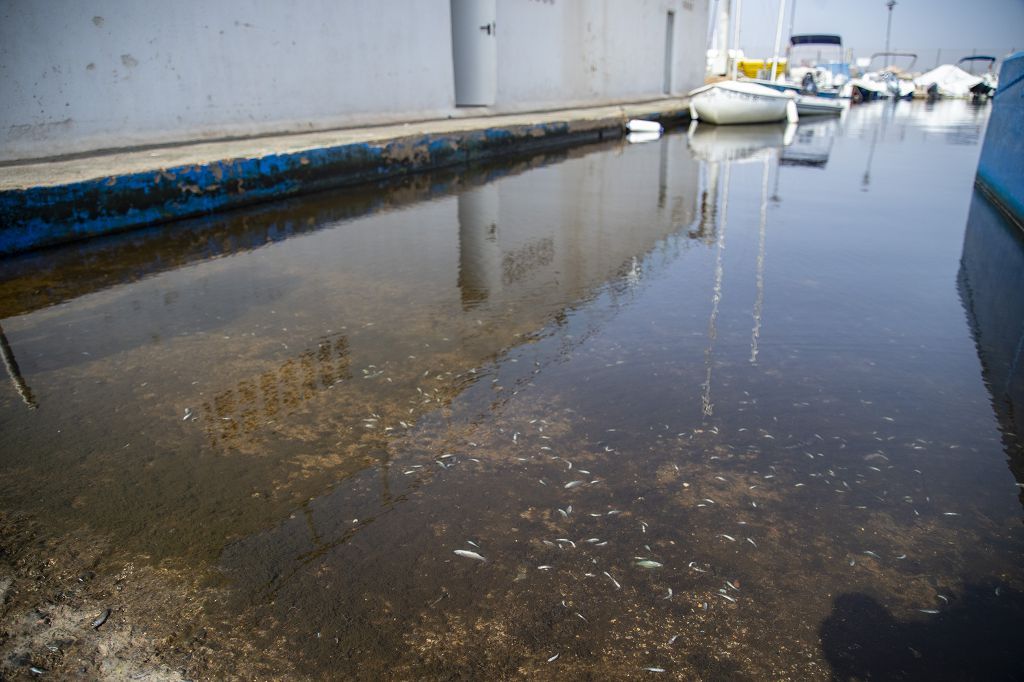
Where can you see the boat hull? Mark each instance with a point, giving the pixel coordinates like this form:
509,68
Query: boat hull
817,106
725,106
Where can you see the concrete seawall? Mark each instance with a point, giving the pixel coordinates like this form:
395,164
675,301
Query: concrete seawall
1001,167
47,203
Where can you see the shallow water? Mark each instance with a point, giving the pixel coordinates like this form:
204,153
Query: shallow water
771,363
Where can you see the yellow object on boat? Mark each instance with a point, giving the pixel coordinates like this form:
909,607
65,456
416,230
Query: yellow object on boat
751,67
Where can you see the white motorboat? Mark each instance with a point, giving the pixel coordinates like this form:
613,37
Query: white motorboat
735,102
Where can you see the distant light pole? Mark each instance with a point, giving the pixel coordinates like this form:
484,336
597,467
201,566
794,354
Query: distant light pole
888,25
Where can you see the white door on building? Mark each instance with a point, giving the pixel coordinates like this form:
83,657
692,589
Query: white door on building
475,52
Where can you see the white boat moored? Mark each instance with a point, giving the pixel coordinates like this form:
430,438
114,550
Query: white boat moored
735,102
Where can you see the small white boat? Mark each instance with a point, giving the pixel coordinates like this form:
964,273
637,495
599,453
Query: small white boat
735,102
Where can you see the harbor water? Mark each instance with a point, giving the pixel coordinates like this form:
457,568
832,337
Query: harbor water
737,403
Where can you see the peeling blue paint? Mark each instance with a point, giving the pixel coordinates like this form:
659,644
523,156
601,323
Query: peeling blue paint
42,216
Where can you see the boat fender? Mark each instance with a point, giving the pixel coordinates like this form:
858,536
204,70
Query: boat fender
791,114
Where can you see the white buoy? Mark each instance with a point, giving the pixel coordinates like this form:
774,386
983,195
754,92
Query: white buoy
637,125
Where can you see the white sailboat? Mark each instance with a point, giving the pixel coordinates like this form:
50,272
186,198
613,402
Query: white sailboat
735,102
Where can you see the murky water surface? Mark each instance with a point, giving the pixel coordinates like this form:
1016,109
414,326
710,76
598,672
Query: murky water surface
733,404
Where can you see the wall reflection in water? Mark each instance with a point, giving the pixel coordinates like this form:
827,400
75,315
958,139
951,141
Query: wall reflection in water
276,331
991,280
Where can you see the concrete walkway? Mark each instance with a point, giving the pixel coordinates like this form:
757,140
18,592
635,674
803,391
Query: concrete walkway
44,203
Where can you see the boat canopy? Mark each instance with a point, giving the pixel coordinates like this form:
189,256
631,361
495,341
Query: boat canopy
815,39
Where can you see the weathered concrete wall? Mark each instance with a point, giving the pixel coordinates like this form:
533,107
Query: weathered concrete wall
550,50
77,77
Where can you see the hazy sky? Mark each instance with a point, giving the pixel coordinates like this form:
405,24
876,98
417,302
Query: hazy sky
916,24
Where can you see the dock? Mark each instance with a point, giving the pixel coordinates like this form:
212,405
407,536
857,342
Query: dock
52,201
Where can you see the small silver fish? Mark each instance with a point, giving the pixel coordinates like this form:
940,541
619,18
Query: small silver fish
573,484
929,611
553,657
614,581
727,537
655,670
647,563
725,596
469,555
95,625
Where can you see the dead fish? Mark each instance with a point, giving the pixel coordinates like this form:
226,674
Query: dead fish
469,555
950,514
647,563
553,657
752,542
573,484
655,670
564,514
708,500
188,413
95,625
473,543
672,639
566,540
930,612
725,596
871,554
614,581
727,537
544,568
36,671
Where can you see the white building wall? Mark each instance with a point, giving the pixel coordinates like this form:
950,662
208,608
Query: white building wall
78,76
575,50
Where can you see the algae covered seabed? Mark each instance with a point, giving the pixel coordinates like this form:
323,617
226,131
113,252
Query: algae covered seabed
735,404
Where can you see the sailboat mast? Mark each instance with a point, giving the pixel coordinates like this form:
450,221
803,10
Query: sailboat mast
778,38
736,38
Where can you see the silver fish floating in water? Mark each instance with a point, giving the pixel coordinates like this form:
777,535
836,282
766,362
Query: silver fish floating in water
647,563
95,625
469,555
553,658
573,484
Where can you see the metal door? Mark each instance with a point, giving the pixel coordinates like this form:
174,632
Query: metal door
475,52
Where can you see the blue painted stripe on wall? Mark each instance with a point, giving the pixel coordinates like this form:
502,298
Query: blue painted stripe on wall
42,216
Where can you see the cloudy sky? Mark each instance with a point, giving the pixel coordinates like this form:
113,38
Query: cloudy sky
923,26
